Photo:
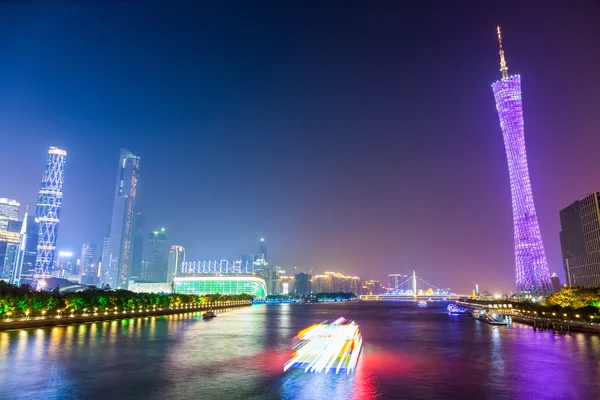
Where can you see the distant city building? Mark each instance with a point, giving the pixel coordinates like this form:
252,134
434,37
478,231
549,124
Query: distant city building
372,288
240,265
302,284
157,257
262,248
48,209
9,211
288,284
556,286
176,260
66,265
138,245
531,266
9,250
333,282
25,271
395,280
90,257
580,241
118,270
104,258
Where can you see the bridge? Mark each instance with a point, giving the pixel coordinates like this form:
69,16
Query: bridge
415,288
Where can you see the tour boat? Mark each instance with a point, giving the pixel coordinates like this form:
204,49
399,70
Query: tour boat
328,346
422,303
454,309
209,315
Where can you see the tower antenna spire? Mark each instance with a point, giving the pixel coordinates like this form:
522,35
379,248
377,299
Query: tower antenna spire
503,67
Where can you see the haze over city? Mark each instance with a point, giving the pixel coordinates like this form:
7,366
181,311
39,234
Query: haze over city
363,139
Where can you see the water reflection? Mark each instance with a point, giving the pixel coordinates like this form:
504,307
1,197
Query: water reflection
408,352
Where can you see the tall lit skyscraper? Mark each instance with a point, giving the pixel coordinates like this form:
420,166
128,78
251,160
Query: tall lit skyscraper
9,211
118,271
138,246
176,259
90,255
25,271
262,248
532,275
48,208
156,270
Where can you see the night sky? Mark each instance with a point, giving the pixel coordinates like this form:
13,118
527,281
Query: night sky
362,139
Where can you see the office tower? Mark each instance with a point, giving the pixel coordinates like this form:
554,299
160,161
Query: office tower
9,211
65,265
138,245
48,208
580,241
532,276
9,250
556,286
372,288
302,284
157,258
25,271
176,260
396,280
90,255
118,269
262,248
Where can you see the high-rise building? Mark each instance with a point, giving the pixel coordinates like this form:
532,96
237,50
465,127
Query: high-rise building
9,211
66,264
532,275
104,258
396,280
157,257
138,245
90,256
118,269
262,248
580,241
372,288
556,286
9,250
176,260
48,208
25,271
302,284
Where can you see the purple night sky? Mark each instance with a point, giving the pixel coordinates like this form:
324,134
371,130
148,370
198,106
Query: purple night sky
361,139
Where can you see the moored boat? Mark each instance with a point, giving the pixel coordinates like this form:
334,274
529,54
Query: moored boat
209,315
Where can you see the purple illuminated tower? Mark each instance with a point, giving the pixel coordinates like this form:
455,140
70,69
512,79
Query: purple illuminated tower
532,276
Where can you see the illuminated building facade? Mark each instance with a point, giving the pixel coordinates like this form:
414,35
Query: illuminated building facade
9,211
580,241
532,275
211,284
395,280
333,282
117,272
90,256
9,251
156,269
25,271
176,260
372,288
48,208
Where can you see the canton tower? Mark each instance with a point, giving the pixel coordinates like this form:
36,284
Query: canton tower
532,276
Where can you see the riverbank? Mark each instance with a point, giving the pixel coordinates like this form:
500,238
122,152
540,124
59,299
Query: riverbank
39,322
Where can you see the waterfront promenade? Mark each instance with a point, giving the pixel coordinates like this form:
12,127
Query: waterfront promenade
35,322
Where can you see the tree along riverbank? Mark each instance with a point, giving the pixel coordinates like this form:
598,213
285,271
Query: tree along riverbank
43,321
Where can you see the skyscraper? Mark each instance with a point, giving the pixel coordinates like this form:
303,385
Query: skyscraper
9,211
25,271
90,255
262,248
9,249
176,259
532,275
396,280
48,208
118,271
580,241
156,270
138,246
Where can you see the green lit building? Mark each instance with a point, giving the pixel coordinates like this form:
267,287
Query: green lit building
212,284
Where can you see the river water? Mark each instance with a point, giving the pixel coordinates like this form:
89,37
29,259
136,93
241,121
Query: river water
409,352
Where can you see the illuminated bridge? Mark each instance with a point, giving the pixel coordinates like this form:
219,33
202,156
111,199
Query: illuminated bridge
414,288
215,284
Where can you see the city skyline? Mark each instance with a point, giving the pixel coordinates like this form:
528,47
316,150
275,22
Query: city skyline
367,186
